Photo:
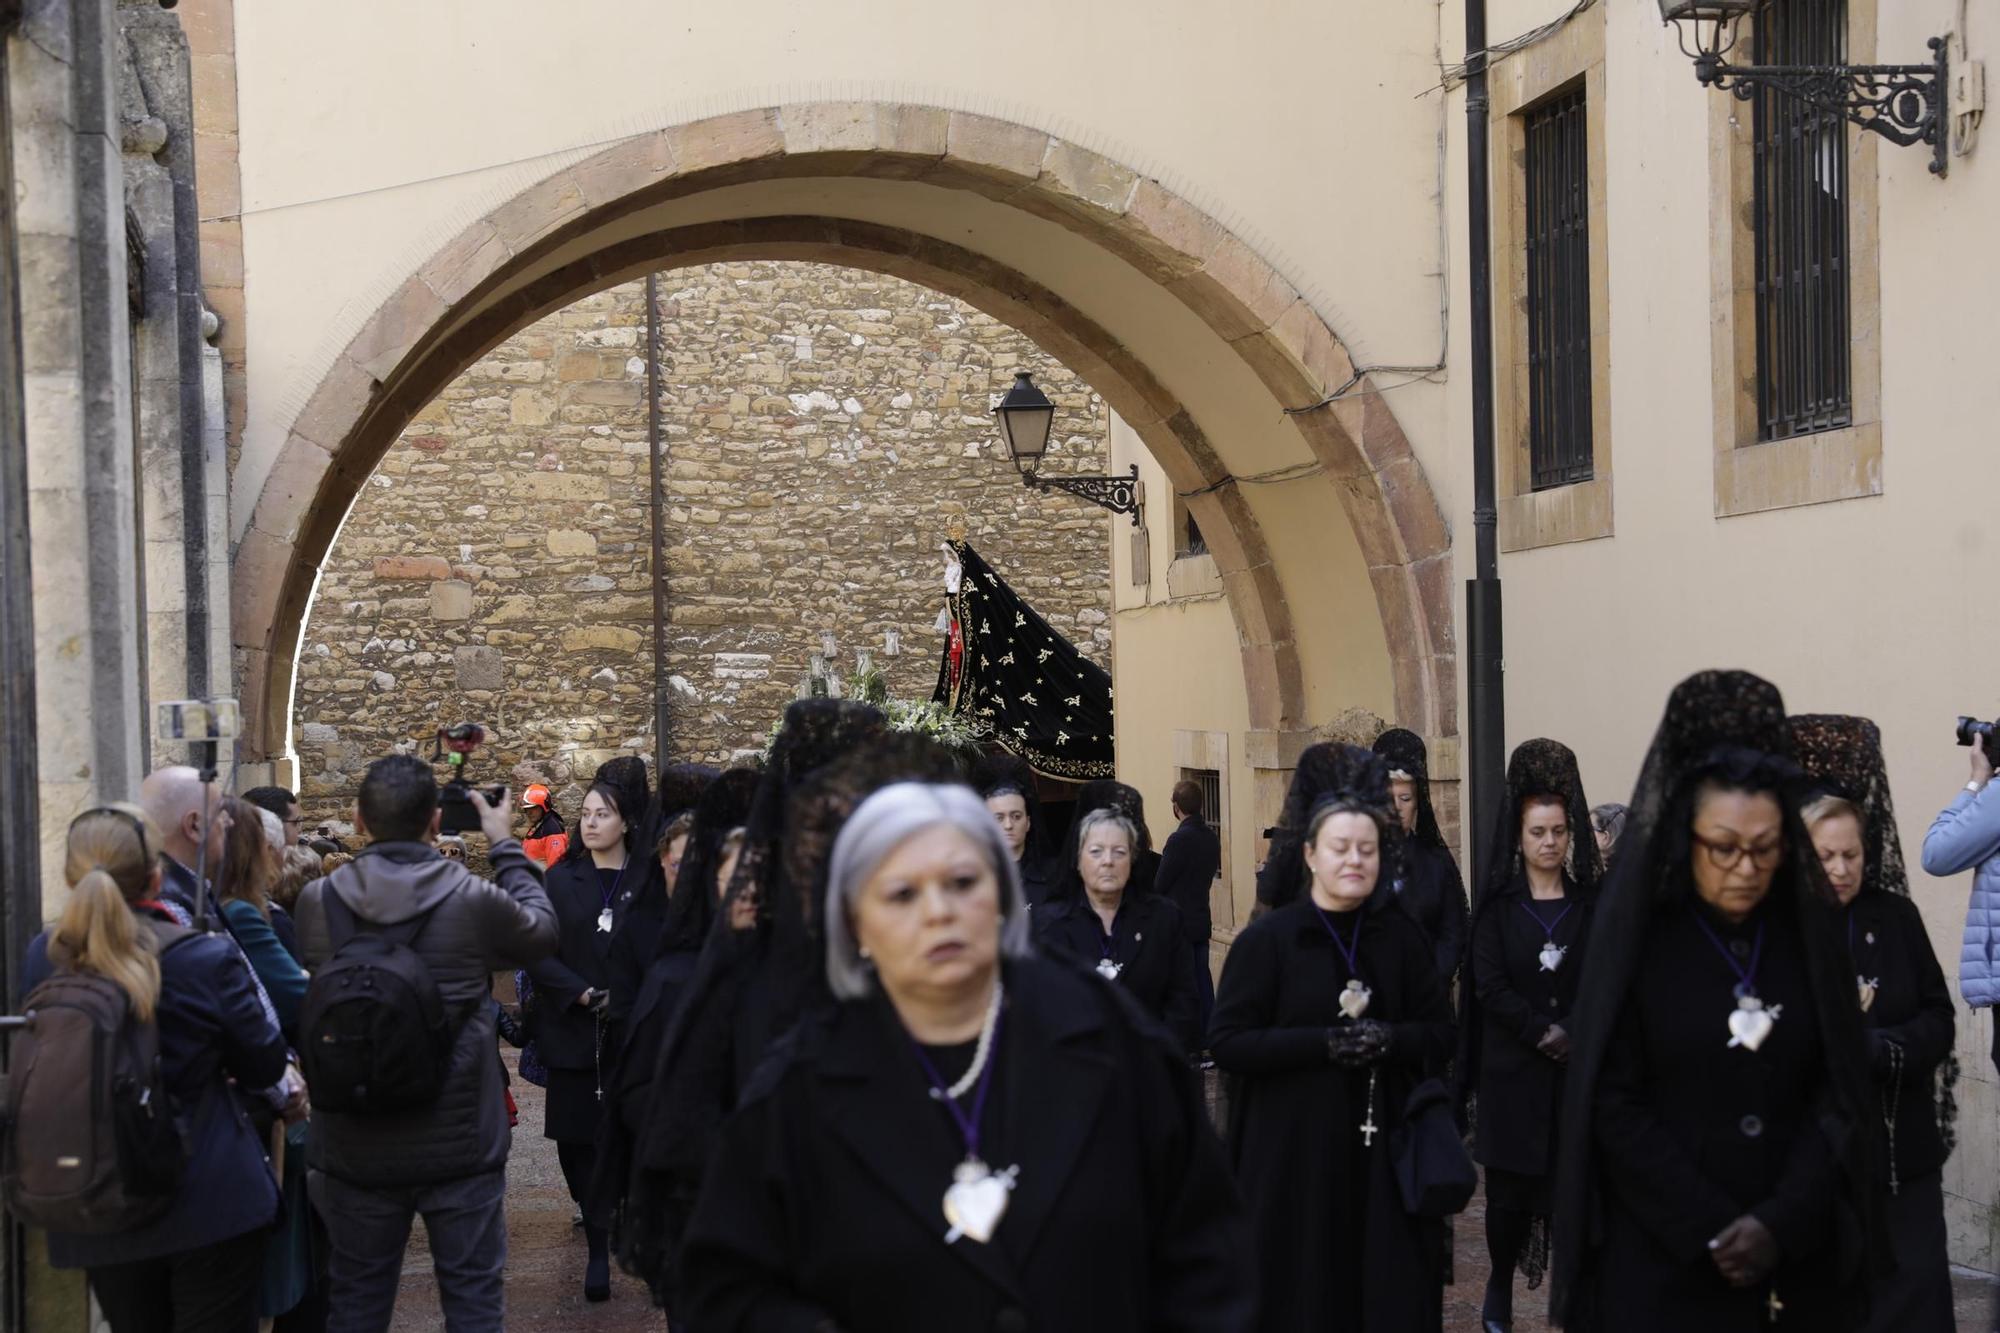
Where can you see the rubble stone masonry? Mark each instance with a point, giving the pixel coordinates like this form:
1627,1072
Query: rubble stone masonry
821,425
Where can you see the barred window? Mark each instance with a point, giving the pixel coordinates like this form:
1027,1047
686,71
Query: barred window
1559,362
1805,378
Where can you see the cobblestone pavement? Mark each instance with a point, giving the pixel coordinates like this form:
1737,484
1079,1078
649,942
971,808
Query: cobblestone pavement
545,1261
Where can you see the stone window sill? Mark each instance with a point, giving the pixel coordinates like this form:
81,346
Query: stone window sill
1561,514
1810,469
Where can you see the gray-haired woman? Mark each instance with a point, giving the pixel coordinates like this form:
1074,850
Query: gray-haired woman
1132,939
970,1137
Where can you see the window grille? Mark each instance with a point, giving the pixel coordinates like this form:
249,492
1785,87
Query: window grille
1804,371
1210,782
1559,362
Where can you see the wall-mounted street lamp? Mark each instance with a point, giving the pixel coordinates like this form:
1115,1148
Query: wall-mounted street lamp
1902,103
1026,416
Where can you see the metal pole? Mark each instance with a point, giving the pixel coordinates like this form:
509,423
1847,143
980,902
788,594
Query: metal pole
20,795
655,443
1486,665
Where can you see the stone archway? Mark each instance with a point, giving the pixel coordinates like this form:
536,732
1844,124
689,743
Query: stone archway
584,228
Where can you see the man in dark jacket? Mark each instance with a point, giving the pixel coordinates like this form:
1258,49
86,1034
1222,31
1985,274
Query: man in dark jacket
1189,863
371,1173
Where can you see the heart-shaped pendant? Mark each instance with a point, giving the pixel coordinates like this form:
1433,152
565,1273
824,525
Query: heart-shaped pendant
1750,1022
1108,969
1552,956
1354,1000
1867,987
604,921
977,1200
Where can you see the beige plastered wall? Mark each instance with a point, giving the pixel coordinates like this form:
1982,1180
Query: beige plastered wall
372,131
1877,605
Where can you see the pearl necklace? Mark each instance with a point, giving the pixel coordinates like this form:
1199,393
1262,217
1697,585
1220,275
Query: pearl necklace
979,1052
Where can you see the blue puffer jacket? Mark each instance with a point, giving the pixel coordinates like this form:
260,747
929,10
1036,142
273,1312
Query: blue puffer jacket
1967,834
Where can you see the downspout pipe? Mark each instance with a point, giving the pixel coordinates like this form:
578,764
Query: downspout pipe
654,437
1486,705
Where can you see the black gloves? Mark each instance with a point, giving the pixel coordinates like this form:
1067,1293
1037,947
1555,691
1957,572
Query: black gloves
1362,1042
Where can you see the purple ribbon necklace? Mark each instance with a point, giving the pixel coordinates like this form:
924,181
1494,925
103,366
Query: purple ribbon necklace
608,896
1355,996
1552,953
1108,965
1353,1003
976,1200
1750,1022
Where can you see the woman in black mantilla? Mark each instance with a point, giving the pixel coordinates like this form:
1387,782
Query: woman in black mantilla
588,889
1427,883
1717,1170
1328,1012
691,912
963,1137
1132,939
1109,793
645,914
1905,1003
1530,928
1007,785
747,987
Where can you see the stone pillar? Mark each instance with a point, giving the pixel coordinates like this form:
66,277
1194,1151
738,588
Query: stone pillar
70,198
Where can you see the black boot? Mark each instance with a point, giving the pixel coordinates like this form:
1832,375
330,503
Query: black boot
597,1273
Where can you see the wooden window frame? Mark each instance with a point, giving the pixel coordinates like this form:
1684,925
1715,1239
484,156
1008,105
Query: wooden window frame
1753,475
1580,511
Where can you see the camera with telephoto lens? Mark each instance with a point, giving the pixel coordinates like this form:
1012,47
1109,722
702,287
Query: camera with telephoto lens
454,745
1970,728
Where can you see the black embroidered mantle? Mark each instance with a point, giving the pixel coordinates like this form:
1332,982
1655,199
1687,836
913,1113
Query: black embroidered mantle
1018,682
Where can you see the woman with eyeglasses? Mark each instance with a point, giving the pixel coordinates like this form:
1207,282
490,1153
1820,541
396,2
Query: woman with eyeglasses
1717,1167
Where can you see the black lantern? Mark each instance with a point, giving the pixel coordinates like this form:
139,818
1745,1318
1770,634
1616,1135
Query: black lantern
1712,24
1026,415
1902,103
1026,419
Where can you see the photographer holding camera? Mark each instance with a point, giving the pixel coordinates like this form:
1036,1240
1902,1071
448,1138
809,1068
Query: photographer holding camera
1965,836
410,1115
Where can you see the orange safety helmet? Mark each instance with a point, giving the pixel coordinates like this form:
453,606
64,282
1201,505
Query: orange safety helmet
536,795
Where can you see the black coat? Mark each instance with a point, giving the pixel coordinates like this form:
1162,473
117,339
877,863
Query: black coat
1691,1134
566,1032
1912,1008
640,918
1038,879
1519,1088
822,1208
1189,862
1432,891
1335,1248
1156,966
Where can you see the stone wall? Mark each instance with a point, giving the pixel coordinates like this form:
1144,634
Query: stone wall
821,425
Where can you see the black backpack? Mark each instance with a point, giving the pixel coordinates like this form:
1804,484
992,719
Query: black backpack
92,1143
374,1028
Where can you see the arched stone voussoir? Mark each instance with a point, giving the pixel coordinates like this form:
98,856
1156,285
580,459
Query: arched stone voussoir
496,276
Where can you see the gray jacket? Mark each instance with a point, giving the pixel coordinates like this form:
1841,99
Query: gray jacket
477,928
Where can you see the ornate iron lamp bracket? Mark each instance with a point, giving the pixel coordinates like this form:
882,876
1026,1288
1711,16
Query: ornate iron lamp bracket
1902,103
1118,494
